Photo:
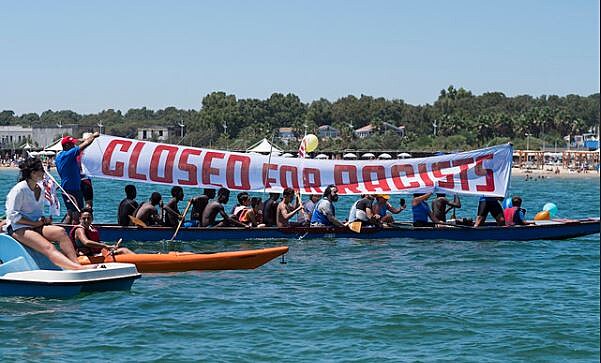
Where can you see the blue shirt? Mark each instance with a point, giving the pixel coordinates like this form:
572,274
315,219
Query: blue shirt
68,169
421,212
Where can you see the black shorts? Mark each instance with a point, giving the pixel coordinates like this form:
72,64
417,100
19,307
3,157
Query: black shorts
490,206
86,189
78,199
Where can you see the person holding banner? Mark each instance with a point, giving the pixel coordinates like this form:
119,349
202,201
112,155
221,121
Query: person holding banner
490,205
421,211
324,213
27,224
68,168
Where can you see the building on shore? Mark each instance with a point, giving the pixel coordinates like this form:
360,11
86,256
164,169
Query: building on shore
15,137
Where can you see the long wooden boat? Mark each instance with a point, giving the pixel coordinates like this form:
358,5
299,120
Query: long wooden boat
555,229
187,261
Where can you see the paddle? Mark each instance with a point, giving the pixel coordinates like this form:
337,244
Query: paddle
355,226
137,222
179,225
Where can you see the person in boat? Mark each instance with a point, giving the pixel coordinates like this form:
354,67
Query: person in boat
172,213
362,210
515,214
382,206
324,213
253,217
27,224
285,209
199,204
304,217
490,205
243,203
440,204
270,209
421,211
148,213
86,238
217,208
128,206
68,168
242,206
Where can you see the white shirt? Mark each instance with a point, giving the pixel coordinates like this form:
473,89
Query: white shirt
21,202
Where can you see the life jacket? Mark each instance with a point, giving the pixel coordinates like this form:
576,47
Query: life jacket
319,218
240,210
509,214
92,234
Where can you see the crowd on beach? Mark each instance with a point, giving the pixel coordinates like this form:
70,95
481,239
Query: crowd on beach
25,220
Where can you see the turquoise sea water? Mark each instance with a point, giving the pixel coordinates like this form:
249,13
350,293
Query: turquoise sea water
338,300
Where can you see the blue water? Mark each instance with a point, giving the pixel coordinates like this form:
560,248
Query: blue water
338,300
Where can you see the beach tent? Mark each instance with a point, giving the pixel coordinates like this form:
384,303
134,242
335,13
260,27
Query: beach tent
349,156
384,156
56,147
264,146
404,155
321,156
368,156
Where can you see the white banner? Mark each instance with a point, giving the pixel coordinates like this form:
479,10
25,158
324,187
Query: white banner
479,172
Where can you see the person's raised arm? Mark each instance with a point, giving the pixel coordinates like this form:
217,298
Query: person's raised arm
456,203
88,141
417,200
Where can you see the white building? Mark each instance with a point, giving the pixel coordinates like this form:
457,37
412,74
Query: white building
158,133
14,136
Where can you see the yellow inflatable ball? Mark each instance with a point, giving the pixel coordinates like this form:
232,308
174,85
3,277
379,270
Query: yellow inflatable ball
311,142
542,216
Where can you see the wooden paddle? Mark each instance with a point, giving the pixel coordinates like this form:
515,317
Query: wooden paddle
137,222
183,216
355,226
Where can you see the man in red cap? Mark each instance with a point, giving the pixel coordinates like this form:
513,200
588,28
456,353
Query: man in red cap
68,169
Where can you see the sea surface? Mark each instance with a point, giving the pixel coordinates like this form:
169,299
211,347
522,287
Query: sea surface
337,299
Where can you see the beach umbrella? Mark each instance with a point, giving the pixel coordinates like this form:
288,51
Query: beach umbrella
321,156
368,155
384,156
404,155
349,156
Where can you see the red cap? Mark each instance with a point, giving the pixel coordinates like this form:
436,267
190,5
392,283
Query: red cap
69,140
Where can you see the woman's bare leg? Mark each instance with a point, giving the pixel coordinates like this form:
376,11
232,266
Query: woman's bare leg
58,234
36,241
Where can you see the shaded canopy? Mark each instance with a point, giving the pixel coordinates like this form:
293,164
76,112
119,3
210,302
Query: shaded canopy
264,146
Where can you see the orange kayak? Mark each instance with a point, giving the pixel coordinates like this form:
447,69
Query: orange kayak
187,261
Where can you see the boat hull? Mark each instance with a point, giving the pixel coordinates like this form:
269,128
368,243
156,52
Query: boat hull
558,229
184,261
26,272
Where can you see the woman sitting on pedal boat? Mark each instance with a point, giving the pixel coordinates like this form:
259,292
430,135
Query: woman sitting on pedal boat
27,223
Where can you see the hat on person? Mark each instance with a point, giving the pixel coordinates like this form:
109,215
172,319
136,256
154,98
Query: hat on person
69,140
385,196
